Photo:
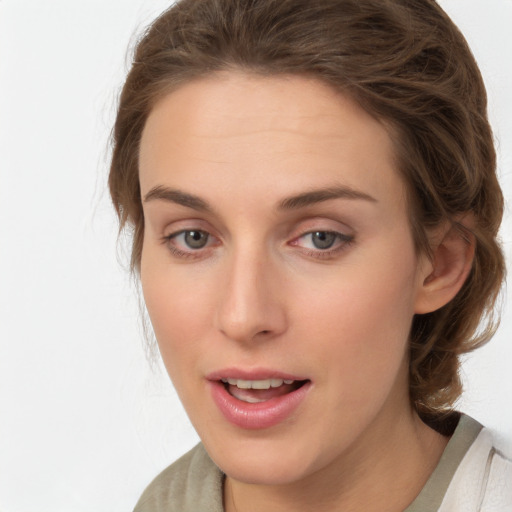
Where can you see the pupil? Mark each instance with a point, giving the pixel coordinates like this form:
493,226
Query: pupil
323,239
196,239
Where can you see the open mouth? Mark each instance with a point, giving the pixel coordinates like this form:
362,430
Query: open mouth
257,391
257,403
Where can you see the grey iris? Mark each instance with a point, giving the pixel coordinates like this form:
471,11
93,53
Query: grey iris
196,239
323,239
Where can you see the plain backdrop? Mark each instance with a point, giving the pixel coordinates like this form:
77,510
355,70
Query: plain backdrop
85,423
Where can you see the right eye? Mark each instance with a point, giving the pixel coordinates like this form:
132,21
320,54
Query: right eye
186,242
193,239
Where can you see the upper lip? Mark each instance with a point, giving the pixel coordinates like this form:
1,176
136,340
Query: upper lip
252,374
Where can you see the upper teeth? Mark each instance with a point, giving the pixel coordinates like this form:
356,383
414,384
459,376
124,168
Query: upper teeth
257,384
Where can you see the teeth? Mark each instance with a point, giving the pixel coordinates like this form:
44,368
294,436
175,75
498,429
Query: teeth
251,400
257,384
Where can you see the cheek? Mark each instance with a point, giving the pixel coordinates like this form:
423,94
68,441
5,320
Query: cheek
361,321
179,309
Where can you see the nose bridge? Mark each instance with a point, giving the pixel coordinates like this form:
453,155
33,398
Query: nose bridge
249,306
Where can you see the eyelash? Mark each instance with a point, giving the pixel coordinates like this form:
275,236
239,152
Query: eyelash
342,242
179,253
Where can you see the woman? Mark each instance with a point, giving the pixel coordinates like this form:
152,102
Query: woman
314,204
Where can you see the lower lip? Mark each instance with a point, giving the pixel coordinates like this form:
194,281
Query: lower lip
257,416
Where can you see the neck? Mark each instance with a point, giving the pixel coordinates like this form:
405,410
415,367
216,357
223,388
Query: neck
384,471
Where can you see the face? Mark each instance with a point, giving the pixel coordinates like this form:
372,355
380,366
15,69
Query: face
278,270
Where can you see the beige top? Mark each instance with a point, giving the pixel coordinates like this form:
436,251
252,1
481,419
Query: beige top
194,483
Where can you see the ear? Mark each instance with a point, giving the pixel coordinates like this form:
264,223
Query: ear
442,276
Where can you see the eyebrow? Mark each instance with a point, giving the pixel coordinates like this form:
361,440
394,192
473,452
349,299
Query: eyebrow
324,194
303,200
172,195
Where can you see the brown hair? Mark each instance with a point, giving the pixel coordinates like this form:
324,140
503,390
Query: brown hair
408,65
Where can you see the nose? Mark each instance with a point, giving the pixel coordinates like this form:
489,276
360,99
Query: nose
251,305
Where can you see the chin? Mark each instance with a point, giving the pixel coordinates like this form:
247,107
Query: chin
264,472
264,461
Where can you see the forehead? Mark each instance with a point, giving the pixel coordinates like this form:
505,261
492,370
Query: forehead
234,131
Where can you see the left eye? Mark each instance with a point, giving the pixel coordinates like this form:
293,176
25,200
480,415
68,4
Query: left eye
322,240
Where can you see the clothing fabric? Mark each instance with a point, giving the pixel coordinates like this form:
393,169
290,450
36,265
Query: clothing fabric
471,476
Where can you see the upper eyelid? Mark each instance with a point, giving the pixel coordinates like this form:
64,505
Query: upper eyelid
323,225
179,232
176,232
317,221
294,234
342,236
322,222
180,226
289,231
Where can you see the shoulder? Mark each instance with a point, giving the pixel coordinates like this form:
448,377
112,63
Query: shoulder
191,484
483,480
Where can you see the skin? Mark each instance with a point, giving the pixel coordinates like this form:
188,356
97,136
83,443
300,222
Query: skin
261,294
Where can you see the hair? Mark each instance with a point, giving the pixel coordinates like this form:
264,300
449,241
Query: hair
404,62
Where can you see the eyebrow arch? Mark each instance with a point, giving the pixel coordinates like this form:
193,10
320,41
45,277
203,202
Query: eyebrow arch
172,195
324,194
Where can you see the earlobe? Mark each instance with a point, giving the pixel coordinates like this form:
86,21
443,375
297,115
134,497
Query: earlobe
453,249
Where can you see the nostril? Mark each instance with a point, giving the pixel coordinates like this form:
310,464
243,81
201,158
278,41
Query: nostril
265,333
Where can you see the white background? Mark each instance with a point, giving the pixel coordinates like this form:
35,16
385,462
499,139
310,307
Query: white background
85,423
